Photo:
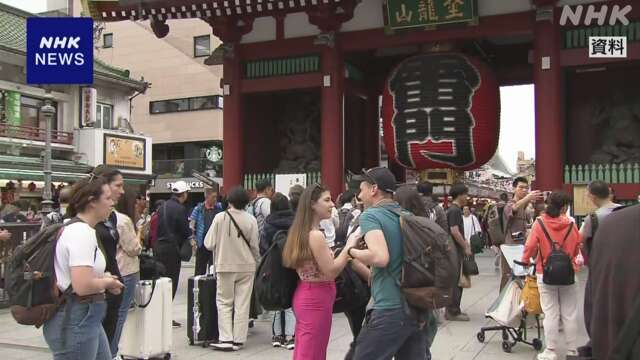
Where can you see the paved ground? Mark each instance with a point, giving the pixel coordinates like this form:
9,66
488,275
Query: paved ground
454,340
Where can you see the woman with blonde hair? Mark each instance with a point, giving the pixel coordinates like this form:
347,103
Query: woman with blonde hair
307,252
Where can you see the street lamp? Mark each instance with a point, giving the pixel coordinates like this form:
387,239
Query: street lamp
48,111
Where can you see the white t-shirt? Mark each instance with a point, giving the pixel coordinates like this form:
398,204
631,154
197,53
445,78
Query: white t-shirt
77,246
471,226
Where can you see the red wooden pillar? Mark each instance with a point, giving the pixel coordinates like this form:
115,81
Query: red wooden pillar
547,75
232,127
372,129
332,127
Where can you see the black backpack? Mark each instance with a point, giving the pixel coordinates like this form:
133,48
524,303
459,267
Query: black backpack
430,265
558,268
345,217
31,279
275,284
351,291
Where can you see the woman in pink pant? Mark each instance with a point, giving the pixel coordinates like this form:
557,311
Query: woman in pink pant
307,252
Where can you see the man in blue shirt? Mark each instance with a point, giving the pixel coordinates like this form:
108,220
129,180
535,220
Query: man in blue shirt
390,330
200,222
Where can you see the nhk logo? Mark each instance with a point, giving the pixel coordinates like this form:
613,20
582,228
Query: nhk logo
59,50
55,58
575,15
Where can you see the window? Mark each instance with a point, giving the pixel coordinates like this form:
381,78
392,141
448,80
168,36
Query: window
104,116
201,46
30,114
186,104
107,40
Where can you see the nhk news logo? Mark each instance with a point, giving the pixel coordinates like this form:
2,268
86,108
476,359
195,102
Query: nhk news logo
59,50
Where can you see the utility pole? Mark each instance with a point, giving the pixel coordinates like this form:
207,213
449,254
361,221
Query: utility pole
47,197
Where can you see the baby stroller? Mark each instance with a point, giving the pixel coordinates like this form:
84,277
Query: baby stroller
507,310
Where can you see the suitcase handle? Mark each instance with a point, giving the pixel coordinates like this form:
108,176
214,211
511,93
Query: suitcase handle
153,289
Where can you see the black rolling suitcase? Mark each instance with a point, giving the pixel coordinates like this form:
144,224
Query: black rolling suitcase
202,312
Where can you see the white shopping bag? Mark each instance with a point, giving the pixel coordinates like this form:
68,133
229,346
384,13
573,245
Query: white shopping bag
507,309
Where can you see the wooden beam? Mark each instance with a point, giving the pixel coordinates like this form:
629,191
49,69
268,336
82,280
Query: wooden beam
280,83
490,26
580,57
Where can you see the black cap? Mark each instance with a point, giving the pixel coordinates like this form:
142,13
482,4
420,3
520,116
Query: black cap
381,176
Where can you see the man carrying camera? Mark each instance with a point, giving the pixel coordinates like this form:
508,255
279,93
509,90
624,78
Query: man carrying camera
517,220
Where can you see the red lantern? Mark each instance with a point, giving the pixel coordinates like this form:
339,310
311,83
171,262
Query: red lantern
441,110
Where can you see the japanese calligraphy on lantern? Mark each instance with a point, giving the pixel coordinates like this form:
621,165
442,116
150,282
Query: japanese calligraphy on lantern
415,13
441,111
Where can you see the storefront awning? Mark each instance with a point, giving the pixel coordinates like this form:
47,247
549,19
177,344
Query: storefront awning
34,175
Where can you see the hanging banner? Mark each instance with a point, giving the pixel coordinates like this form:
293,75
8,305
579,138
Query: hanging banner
124,152
13,108
89,105
402,14
441,111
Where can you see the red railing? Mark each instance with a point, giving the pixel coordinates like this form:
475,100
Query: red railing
34,133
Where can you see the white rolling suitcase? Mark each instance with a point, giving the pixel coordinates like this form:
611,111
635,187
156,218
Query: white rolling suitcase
147,332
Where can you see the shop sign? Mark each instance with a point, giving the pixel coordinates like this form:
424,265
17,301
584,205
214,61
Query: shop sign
89,105
192,184
214,153
124,152
403,14
441,111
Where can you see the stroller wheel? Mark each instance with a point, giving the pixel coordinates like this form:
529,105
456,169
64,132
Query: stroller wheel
505,335
537,344
480,336
506,346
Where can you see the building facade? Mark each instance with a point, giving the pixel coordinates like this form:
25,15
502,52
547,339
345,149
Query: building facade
90,126
182,108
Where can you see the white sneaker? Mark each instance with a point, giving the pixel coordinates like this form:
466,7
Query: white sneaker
223,346
548,355
572,352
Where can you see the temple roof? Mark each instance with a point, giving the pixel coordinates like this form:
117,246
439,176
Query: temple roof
114,10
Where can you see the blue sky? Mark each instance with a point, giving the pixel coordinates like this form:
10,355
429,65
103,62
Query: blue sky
517,106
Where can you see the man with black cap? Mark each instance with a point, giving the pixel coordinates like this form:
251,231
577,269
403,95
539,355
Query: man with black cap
173,231
395,333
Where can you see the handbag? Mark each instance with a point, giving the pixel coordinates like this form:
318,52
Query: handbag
530,296
469,266
476,240
185,250
464,281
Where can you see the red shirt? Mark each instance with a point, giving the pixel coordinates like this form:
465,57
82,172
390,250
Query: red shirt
153,230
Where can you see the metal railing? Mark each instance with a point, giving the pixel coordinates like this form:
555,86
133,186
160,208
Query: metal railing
34,133
20,232
185,167
611,173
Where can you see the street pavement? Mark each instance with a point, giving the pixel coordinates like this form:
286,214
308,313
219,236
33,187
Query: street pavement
455,340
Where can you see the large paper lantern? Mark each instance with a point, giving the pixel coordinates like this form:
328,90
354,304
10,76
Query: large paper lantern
441,110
